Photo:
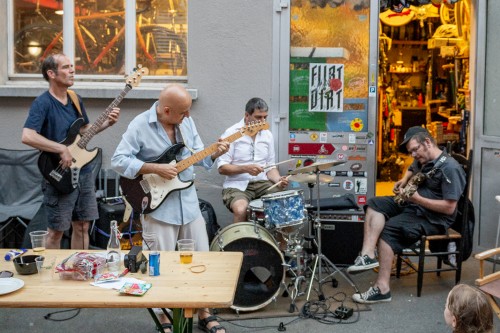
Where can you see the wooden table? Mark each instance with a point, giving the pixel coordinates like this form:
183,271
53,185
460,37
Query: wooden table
176,286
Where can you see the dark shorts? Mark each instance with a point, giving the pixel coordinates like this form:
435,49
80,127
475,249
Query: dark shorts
254,191
404,225
79,205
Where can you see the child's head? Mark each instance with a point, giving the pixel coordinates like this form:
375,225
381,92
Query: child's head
467,310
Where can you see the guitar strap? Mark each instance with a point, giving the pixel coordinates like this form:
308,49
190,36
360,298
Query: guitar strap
184,141
76,102
440,161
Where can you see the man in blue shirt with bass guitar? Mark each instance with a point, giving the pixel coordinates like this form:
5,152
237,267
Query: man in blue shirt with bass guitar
55,121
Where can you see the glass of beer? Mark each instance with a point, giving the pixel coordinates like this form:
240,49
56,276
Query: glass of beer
186,249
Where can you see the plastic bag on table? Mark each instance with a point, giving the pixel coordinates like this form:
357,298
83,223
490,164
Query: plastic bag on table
81,266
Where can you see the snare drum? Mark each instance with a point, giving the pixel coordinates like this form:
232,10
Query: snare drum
255,212
262,270
284,209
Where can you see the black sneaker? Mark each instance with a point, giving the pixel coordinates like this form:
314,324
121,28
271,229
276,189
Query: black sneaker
362,263
373,295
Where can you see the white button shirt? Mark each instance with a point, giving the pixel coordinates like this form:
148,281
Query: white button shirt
245,151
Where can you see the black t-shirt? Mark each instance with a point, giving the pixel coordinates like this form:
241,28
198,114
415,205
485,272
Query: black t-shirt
447,183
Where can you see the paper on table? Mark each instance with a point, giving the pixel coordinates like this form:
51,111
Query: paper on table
117,284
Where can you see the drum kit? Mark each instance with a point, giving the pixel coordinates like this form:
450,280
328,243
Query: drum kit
274,245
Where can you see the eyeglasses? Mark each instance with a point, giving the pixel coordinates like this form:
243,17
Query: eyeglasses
414,150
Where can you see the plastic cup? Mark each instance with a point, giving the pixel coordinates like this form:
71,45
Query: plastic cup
39,264
186,249
38,240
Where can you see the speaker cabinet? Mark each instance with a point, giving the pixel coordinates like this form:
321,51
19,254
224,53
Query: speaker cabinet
341,235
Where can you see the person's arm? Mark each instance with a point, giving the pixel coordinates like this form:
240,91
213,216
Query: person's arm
274,176
231,169
402,182
31,138
164,170
442,206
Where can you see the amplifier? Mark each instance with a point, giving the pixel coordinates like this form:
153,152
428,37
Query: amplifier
130,230
341,235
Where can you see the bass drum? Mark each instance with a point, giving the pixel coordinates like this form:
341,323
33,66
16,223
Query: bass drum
262,270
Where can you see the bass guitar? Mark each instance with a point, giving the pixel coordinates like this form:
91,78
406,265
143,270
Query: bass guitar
147,192
66,180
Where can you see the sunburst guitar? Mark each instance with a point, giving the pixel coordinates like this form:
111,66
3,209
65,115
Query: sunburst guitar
66,180
146,192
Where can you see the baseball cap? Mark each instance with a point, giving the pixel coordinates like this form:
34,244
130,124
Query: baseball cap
412,131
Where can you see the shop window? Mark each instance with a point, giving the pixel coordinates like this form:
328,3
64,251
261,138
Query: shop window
99,36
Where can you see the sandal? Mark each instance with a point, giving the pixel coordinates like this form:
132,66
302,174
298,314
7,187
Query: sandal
166,326
202,325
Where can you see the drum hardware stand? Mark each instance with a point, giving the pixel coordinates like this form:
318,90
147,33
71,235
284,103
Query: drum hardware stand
320,258
295,251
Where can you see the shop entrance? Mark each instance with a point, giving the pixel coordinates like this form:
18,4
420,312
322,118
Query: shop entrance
423,78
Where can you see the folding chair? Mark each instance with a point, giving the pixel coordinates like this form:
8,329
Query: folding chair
20,194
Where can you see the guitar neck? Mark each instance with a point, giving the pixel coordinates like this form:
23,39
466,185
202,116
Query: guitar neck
94,129
186,163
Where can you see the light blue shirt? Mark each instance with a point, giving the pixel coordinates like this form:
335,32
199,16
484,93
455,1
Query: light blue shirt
145,140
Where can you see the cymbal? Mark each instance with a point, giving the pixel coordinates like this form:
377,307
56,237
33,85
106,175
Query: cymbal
315,167
310,178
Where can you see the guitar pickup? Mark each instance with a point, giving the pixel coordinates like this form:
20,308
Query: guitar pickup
75,176
56,175
145,186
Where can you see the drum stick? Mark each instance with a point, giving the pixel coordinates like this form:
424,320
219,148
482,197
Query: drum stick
269,189
276,164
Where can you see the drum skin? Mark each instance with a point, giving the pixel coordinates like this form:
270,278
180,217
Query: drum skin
262,270
255,212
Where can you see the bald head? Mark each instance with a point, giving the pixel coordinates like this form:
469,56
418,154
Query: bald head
174,104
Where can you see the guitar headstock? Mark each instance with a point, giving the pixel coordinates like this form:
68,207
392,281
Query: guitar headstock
134,78
254,127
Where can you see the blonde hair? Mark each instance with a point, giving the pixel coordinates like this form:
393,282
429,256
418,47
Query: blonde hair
470,307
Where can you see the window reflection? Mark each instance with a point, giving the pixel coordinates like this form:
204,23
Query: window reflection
161,32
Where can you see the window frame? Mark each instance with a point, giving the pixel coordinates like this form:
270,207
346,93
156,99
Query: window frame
69,50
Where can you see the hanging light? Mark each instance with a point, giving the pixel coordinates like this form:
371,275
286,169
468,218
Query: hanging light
60,10
34,48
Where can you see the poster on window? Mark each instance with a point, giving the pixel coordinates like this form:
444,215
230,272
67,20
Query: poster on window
326,87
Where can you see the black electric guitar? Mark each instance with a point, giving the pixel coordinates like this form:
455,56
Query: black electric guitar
66,180
147,192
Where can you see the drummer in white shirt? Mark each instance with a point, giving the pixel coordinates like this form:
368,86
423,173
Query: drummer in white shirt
245,164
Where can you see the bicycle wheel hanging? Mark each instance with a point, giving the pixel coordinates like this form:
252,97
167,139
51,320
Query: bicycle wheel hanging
161,50
34,43
101,47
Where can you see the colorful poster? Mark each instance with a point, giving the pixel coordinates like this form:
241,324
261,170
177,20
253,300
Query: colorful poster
326,87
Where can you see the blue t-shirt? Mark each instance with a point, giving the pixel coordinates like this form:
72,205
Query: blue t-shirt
51,119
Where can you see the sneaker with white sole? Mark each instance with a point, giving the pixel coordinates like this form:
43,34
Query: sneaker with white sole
362,263
373,295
